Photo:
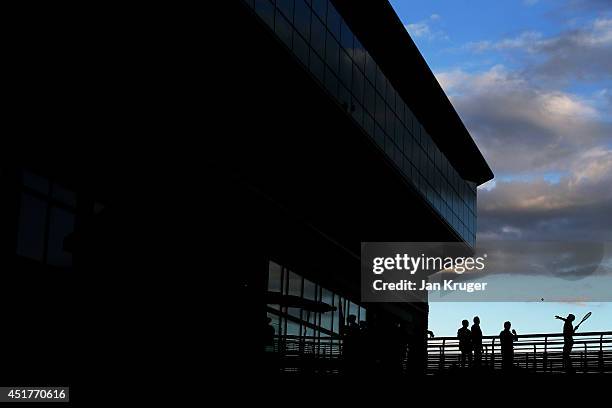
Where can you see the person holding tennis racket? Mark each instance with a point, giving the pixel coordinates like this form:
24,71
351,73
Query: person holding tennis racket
568,338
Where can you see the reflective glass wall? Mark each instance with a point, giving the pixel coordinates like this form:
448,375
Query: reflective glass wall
318,37
301,322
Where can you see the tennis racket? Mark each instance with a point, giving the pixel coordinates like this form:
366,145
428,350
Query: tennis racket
586,316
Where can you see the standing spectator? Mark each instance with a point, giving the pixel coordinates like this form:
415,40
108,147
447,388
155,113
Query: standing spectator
465,343
507,340
477,341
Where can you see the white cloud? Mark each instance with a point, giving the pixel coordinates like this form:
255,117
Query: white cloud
423,29
418,29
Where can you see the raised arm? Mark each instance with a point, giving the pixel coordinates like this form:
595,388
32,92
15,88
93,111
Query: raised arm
514,335
560,318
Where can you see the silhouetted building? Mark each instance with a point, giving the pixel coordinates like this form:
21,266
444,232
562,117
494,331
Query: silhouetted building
344,136
329,130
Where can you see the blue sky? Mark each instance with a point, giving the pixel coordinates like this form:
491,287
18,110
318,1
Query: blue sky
532,81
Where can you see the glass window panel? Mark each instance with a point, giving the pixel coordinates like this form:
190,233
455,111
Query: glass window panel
326,320
357,83
295,312
32,221
381,81
369,97
300,49
346,68
389,124
346,38
333,20
358,54
317,36
336,315
302,18
409,121
380,110
370,67
286,7
320,7
283,29
332,50
398,156
432,149
407,143
390,96
294,286
400,108
309,290
354,309
274,277
293,328
416,156
265,10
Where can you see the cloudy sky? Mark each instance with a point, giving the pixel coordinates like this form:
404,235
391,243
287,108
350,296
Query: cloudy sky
532,81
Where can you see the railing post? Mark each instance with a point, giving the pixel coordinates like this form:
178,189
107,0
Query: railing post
584,359
601,362
442,354
545,362
492,361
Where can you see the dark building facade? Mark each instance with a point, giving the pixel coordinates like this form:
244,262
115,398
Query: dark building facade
345,136
328,130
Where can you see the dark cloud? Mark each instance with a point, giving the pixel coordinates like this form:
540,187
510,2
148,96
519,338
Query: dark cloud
583,53
521,128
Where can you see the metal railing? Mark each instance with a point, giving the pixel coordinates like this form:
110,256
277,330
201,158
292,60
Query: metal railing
543,353
306,354
591,353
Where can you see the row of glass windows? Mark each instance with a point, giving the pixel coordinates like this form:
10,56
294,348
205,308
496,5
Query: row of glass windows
300,322
323,42
46,217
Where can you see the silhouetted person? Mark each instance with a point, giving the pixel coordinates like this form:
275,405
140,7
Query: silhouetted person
430,334
465,343
507,339
350,343
568,340
477,341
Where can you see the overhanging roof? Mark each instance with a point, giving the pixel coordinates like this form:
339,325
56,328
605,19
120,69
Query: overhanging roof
383,34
